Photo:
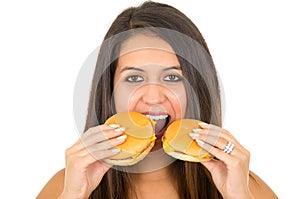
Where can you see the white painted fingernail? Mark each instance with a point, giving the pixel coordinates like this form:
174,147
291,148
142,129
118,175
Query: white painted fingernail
120,129
122,137
114,125
200,142
197,130
115,150
193,135
203,124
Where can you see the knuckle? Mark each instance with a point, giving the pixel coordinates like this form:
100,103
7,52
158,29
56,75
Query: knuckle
110,143
69,157
104,154
77,164
236,162
92,130
68,151
89,131
227,132
246,155
99,155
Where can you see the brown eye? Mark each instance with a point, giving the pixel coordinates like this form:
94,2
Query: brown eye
172,78
134,78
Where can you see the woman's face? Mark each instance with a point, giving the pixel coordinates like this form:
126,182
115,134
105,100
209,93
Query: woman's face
149,80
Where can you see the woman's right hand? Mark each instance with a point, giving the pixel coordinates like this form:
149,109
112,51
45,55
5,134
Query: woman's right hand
84,165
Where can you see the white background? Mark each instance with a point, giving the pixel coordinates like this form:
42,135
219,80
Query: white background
43,44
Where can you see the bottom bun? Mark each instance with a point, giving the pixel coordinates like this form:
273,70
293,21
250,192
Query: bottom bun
130,161
189,158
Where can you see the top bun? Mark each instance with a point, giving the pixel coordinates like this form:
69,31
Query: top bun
178,144
140,137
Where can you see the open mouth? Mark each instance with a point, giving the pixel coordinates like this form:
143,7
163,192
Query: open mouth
162,122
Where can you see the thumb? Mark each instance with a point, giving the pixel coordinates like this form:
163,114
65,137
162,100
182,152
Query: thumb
209,164
97,171
215,166
101,168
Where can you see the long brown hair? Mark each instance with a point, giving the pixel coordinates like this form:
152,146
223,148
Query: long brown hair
193,180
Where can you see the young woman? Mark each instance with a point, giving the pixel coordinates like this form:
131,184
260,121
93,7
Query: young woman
155,61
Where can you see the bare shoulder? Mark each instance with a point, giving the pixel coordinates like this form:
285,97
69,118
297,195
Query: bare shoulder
259,189
54,186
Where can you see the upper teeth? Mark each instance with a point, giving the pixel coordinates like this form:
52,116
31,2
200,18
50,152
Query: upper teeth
157,117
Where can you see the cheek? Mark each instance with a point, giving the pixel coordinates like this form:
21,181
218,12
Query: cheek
125,97
178,100
128,97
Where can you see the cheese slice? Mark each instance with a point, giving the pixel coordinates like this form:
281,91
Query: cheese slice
136,124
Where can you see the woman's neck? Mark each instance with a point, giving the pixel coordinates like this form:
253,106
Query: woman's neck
155,184
156,160
153,176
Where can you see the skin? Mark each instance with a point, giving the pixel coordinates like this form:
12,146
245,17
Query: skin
143,83
149,79
149,89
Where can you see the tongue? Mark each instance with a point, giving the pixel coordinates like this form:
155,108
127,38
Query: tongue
160,124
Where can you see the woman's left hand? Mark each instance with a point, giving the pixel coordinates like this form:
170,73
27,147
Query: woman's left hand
230,171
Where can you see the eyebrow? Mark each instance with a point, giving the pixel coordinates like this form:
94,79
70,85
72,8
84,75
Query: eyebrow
139,69
173,67
131,68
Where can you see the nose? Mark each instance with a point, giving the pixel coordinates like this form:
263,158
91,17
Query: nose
154,94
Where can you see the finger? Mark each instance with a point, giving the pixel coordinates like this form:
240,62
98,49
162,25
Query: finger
216,132
102,136
107,144
85,158
237,153
218,153
99,129
77,146
101,155
81,145
217,137
212,164
102,127
216,141
98,151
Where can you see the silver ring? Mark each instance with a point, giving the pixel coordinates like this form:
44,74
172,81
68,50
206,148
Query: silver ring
229,147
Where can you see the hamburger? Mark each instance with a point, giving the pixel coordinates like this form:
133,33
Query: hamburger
140,138
178,144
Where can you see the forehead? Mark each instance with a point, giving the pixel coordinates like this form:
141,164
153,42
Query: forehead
144,41
144,50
